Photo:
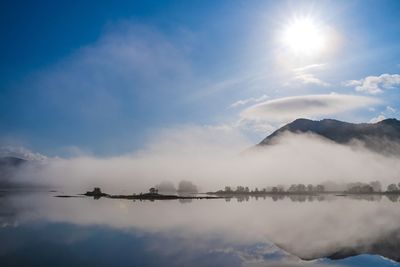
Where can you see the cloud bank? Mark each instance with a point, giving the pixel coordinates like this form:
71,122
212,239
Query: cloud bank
289,108
212,158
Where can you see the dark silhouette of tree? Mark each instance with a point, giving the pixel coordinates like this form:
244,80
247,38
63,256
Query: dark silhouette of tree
153,190
392,188
292,188
239,189
361,188
301,188
310,188
228,189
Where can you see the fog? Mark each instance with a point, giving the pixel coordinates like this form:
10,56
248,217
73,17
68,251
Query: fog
307,230
212,157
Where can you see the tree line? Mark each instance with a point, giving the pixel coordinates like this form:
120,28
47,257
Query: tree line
351,188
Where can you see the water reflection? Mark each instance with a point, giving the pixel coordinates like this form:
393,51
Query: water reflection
311,198
40,230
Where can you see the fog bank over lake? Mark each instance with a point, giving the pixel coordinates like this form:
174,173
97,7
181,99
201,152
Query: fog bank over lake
213,157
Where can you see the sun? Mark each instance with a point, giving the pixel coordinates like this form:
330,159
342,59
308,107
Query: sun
304,37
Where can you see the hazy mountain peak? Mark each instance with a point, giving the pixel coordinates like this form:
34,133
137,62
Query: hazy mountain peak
22,153
378,136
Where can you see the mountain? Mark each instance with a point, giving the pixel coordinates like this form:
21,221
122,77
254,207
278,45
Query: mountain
11,162
383,136
8,165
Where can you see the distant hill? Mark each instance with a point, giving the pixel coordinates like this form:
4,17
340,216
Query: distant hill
8,165
383,136
11,161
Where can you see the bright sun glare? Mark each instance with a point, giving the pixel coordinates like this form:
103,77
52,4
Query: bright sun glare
304,37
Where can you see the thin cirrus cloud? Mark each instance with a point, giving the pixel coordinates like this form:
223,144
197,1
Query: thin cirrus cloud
246,101
288,108
375,84
310,67
306,76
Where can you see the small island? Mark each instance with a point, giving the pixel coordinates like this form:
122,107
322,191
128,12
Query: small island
187,191
151,195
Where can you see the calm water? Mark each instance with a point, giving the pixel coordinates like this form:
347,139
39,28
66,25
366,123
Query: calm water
38,229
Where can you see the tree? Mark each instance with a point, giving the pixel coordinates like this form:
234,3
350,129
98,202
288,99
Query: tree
301,188
292,188
367,189
310,188
228,189
281,188
376,185
392,188
239,189
153,190
320,188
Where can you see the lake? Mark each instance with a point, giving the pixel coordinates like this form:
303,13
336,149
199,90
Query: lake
38,229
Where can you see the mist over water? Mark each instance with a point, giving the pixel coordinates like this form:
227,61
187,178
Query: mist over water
291,230
256,231
212,158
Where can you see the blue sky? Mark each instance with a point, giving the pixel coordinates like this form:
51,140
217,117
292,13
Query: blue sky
102,77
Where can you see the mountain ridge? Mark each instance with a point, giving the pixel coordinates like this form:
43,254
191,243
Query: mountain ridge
379,136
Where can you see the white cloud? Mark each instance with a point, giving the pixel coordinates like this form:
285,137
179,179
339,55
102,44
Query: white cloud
305,76
390,109
289,108
379,118
310,67
243,102
308,78
375,84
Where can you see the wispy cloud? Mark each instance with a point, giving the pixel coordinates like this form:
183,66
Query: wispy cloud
308,78
391,109
375,84
288,108
310,67
246,101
